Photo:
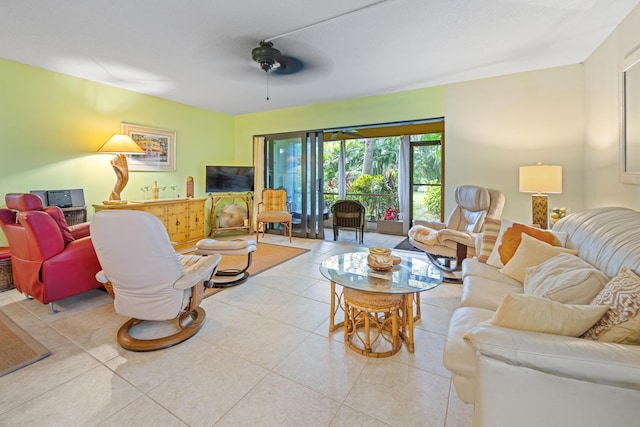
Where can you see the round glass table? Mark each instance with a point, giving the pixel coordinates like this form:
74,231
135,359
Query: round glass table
410,277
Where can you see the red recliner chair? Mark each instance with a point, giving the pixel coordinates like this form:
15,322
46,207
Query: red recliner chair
50,260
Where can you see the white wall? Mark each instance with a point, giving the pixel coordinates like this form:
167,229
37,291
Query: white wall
495,125
601,181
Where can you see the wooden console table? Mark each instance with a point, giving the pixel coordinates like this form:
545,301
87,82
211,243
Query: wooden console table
245,198
183,218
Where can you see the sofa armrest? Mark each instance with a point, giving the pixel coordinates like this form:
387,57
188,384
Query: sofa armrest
79,231
582,359
462,237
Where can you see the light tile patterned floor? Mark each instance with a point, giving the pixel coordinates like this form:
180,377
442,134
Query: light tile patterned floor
264,357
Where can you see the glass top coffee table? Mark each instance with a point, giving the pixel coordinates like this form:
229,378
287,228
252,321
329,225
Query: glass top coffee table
410,277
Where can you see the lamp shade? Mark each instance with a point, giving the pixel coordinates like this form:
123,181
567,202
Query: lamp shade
541,179
119,143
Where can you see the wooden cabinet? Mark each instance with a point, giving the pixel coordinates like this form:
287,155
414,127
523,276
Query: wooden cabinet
184,219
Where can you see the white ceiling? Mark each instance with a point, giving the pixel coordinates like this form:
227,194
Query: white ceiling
198,52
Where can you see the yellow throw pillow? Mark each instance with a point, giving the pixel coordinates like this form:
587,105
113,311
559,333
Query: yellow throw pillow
621,324
537,314
531,252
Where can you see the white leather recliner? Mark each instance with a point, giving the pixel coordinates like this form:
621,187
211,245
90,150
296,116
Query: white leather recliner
447,244
147,278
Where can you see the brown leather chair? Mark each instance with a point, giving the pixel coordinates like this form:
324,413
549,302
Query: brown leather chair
348,214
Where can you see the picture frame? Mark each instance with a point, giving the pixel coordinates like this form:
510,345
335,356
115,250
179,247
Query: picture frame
158,144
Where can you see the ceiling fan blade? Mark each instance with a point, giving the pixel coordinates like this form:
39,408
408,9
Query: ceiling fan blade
288,65
353,133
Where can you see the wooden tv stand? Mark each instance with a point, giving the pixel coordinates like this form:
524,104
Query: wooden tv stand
184,219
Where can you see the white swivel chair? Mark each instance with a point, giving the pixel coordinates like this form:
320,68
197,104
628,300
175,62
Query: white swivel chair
448,244
147,278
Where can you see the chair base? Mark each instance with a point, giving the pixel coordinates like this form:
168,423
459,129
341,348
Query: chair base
189,322
229,277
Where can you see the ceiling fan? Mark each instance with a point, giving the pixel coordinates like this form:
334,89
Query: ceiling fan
272,61
353,133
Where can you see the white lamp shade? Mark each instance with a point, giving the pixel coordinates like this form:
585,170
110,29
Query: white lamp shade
119,143
541,179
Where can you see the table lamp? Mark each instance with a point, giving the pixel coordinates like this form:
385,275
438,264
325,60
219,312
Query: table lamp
540,179
119,144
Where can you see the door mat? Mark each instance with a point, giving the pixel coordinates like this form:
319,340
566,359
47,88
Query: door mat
17,348
406,246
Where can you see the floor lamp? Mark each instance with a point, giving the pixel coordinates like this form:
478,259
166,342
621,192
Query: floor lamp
120,144
540,179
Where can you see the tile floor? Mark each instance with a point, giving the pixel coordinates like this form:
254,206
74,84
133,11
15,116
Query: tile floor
264,357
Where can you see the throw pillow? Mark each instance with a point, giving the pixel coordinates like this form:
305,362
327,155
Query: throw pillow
509,239
58,216
564,278
529,253
489,238
536,314
423,234
621,324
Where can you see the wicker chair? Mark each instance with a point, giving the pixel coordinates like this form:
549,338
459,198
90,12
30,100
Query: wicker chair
274,207
348,214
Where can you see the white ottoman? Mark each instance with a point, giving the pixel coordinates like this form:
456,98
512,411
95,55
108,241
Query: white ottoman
228,277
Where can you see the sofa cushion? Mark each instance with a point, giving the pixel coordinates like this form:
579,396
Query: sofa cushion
473,267
564,278
529,253
537,314
509,239
621,324
482,292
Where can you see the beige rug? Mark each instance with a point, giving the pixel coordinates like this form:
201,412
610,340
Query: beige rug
265,257
17,348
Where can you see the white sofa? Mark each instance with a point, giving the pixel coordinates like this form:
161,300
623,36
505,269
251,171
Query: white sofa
522,378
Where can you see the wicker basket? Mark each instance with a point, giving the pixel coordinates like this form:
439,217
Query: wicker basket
75,216
6,274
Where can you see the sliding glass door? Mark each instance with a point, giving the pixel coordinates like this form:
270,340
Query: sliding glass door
293,161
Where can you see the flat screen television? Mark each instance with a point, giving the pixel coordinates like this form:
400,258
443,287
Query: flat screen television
229,179
60,198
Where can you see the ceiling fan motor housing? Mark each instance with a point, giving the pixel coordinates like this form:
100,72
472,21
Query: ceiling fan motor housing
267,56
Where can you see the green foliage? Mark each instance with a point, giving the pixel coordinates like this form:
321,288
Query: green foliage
363,184
383,176
431,202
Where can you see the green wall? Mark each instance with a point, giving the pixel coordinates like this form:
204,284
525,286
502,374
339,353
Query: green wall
51,126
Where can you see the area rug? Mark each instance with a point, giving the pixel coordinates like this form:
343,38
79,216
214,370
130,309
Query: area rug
265,257
17,348
406,246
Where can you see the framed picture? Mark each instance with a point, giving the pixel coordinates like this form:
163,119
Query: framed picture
159,146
